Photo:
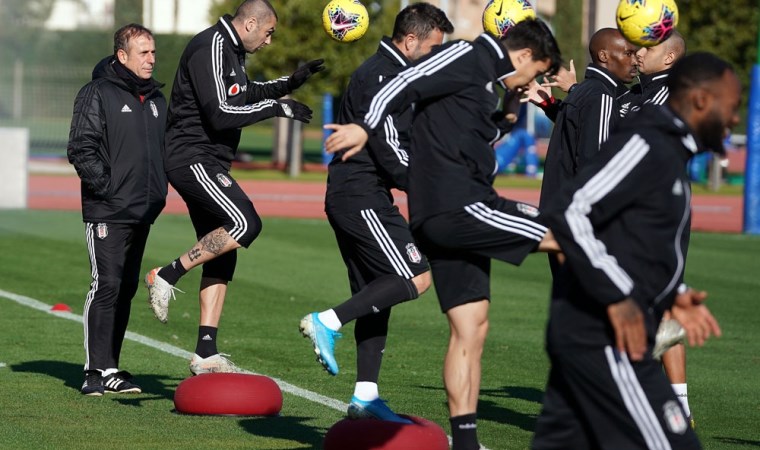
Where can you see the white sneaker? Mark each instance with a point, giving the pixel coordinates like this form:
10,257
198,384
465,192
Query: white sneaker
669,333
214,364
159,294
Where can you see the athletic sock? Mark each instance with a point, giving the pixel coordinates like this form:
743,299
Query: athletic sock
464,432
172,272
107,372
681,393
366,391
206,345
382,293
330,319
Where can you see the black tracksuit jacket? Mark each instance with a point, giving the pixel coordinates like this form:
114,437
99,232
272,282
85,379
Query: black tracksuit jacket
212,99
586,117
364,180
651,89
455,125
115,144
622,224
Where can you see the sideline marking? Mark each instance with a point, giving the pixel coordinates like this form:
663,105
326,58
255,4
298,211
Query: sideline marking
176,351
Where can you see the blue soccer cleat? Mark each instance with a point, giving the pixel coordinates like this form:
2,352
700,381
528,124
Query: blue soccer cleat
323,340
375,409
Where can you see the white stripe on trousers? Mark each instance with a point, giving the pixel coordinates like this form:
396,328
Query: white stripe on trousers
507,222
636,401
238,218
90,238
386,244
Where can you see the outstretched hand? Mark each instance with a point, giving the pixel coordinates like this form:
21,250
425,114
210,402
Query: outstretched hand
294,110
536,93
698,322
628,323
349,138
303,73
564,79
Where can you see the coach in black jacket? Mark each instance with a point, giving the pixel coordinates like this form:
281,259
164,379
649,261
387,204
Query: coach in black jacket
620,224
212,99
115,144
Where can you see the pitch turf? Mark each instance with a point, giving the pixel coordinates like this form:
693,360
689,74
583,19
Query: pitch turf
292,269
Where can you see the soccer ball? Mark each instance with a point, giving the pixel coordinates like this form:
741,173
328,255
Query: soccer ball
345,20
501,15
646,23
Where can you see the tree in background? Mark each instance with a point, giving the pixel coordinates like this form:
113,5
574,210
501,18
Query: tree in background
127,11
299,38
728,29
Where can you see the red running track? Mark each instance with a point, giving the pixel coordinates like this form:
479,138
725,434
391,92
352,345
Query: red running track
306,200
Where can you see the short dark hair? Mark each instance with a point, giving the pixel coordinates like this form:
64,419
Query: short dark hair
535,35
420,19
126,33
695,70
260,9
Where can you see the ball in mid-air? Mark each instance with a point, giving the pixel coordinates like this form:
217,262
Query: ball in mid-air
501,15
345,20
646,23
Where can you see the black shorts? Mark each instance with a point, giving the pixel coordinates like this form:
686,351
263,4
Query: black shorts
598,399
376,242
461,243
215,200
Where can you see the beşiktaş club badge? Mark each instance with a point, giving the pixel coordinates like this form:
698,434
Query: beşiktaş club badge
413,254
154,109
102,230
528,210
223,180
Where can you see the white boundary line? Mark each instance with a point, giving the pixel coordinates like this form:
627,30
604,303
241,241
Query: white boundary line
176,351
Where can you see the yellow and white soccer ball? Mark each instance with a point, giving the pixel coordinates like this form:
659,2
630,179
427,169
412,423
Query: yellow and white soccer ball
345,20
646,23
501,15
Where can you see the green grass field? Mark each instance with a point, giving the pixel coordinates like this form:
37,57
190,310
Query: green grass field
292,269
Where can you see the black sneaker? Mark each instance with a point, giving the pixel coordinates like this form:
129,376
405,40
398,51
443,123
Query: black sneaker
93,383
118,383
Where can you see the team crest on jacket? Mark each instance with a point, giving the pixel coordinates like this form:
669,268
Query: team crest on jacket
102,230
674,418
233,90
223,180
528,210
154,109
414,255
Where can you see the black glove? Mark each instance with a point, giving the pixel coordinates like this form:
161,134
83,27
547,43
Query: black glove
303,73
294,110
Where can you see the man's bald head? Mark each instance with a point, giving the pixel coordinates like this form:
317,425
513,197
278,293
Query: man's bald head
612,51
662,56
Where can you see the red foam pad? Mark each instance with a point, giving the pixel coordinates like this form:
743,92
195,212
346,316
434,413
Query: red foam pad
370,434
229,394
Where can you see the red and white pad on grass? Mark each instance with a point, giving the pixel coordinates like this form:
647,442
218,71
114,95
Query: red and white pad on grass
228,394
370,434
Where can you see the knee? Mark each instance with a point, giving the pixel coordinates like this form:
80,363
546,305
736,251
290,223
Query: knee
249,231
422,282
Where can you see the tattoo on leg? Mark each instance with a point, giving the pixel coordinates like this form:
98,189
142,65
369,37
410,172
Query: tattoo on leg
215,241
194,253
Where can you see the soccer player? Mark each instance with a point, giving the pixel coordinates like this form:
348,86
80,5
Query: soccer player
212,99
115,144
384,265
456,215
621,226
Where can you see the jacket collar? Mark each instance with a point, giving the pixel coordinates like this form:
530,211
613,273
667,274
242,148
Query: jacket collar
226,28
600,73
502,62
388,49
691,143
658,77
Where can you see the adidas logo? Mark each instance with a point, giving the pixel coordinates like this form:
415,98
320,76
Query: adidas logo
126,109
232,74
206,338
374,309
677,188
468,426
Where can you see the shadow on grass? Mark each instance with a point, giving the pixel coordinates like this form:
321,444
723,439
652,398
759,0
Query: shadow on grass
495,411
736,441
287,428
160,386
